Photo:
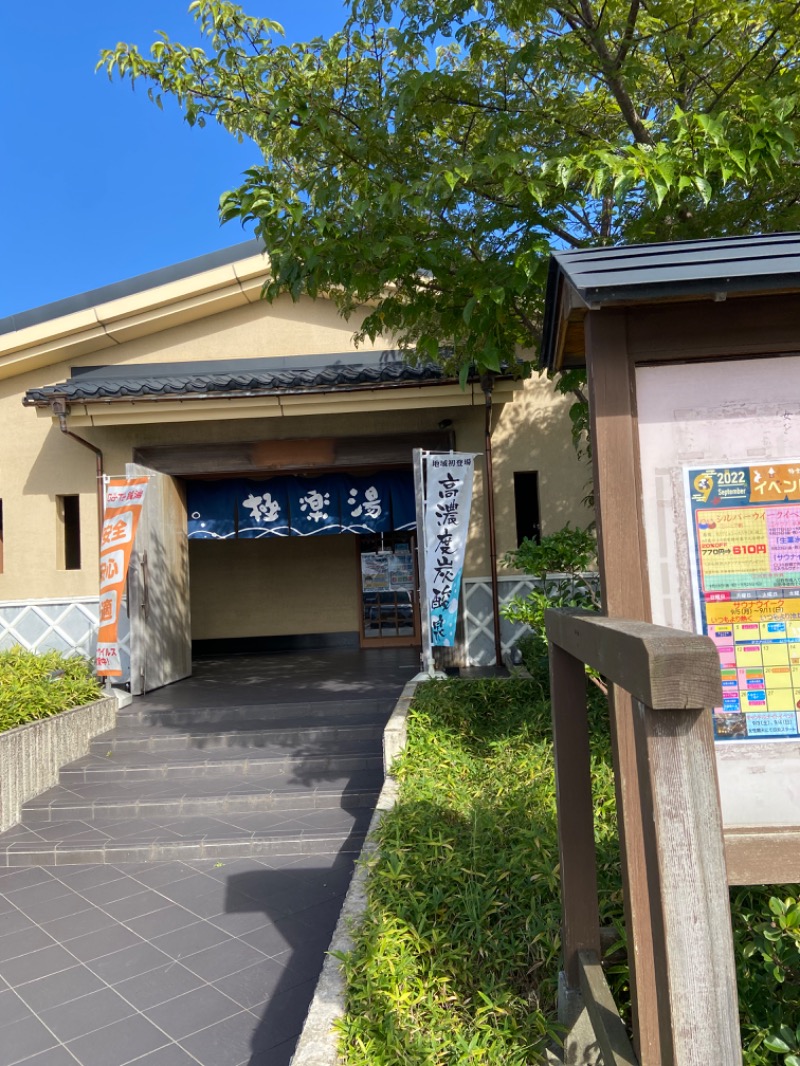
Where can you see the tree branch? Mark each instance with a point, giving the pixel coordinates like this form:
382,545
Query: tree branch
751,58
627,35
609,69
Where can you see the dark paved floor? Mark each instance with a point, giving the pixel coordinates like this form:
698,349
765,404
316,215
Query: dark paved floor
212,960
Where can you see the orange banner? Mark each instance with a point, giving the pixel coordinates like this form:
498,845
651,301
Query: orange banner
777,482
124,498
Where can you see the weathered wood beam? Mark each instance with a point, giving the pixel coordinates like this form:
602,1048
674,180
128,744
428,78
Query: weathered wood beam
701,1001
220,459
575,807
762,854
664,668
609,1030
622,559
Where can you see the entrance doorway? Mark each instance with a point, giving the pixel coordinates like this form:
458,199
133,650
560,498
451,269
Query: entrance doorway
389,615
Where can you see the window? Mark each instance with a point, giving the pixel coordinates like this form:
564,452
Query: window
526,505
69,540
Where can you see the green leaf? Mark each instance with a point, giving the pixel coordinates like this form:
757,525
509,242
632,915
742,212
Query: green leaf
703,187
774,1043
777,906
786,1034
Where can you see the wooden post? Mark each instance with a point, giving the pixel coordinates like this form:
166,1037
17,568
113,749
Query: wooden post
674,679
653,885
703,1012
609,1030
623,575
581,918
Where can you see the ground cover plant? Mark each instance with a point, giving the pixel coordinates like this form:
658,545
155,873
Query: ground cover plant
34,686
457,958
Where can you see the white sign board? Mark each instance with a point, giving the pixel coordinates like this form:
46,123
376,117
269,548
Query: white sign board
736,418
448,500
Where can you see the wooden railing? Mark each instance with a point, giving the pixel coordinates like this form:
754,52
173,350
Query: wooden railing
674,679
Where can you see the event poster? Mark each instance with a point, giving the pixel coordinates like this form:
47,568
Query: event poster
375,571
744,529
387,571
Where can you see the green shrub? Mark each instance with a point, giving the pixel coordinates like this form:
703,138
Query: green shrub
766,927
567,551
457,958
38,686
560,564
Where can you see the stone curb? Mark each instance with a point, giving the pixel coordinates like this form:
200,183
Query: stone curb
32,755
318,1042
396,732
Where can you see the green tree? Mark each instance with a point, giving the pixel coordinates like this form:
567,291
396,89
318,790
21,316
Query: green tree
426,158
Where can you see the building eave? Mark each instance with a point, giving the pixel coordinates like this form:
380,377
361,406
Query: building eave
335,401
110,324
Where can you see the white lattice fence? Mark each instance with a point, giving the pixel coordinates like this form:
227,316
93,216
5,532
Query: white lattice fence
67,626
478,624
477,608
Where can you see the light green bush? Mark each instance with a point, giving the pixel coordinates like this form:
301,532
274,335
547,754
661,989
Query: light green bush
560,564
38,686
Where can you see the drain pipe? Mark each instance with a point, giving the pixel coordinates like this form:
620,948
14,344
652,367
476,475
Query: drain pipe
59,409
487,384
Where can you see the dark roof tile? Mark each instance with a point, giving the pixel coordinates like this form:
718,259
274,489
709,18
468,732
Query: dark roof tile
235,377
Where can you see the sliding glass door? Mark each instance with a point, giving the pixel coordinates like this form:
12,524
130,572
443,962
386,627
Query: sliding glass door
389,599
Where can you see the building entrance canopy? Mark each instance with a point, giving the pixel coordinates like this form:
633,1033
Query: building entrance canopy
246,509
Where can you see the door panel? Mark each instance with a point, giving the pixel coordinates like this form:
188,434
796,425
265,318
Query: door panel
158,586
389,598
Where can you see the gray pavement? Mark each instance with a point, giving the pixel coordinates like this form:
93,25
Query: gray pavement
172,899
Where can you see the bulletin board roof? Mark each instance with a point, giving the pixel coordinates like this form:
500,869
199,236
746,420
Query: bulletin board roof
593,278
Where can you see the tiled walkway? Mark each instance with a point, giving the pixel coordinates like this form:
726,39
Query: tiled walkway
209,960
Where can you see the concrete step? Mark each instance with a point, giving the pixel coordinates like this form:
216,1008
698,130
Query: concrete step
229,796
142,766
250,735
334,709
30,852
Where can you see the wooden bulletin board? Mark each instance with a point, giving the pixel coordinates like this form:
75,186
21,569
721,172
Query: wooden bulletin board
737,420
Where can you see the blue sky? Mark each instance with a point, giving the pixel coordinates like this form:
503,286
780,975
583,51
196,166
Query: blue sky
97,184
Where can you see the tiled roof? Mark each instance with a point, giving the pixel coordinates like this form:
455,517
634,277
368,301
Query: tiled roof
239,377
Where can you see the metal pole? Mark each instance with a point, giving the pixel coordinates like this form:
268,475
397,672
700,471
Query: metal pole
59,409
487,385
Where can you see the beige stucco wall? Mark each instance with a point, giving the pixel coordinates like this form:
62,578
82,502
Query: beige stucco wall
256,331
535,433
531,434
273,586
37,462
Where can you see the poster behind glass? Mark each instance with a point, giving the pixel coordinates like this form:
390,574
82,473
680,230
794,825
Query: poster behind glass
744,530
388,591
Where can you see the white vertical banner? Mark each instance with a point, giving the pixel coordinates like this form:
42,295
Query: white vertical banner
448,500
